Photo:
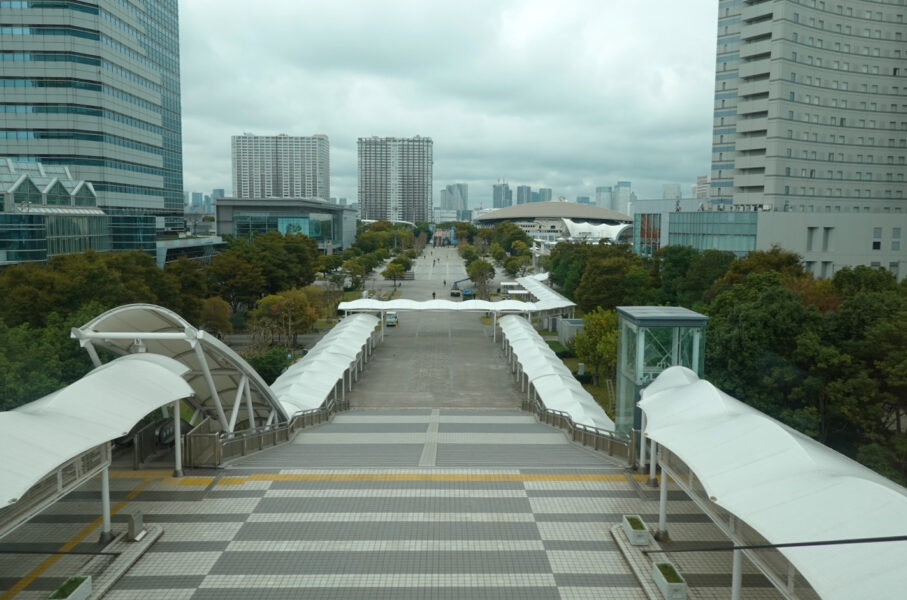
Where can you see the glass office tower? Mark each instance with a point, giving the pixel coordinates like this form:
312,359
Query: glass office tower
95,86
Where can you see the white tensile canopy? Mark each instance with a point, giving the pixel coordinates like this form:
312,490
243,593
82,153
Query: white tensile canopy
308,382
553,382
38,437
785,485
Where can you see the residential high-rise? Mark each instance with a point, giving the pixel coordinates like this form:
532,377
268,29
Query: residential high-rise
809,104
95,87
523,194
544,194
455,197
395,178
502,195
671,191
281,166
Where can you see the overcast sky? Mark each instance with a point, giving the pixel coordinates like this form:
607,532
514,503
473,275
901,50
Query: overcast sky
566,94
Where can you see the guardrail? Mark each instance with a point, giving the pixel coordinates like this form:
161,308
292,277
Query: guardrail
590,437
205,446
54,486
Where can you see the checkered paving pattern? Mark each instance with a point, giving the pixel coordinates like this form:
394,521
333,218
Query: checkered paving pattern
420,532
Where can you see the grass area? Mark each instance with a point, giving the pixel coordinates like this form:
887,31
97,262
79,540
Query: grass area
556,346
602,396
669,572
635,524
486,320
544,333
572,363
186,411
351,295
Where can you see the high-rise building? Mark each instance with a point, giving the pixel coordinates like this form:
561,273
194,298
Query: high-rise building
583,200
95,87
544,194
523,194
281,166
701,189
603,197
395,178
455,197
535,196
809,104
217,193
502,195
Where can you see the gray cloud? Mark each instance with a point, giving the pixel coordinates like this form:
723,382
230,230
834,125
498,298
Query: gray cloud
567,95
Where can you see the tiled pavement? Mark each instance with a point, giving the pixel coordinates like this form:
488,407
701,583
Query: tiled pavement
479,527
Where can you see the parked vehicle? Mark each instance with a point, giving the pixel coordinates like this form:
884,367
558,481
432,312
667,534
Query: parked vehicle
390,319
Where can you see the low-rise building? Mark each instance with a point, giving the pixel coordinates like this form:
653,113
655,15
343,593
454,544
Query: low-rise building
44,212
829,240
332,226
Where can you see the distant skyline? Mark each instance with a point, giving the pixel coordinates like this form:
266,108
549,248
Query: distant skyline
568,96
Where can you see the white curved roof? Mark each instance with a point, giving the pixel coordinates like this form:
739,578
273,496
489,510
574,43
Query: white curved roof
785,485
308,382
554,210
39,436
164,332
548,299
595,231
553,382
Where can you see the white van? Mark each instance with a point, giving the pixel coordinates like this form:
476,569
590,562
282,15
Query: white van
390,319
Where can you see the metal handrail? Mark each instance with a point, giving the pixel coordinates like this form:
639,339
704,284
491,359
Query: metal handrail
587,435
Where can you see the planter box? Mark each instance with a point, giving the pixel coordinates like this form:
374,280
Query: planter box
637,536
80,592
670,590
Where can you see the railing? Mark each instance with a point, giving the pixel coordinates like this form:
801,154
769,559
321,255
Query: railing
144,444
591,437
54,486
206,446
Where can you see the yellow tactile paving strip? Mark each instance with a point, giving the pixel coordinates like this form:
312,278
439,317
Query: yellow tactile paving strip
75,540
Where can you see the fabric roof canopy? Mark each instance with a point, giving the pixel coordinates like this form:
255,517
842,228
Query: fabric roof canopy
39,436
553,382
548,299
308,382
785,485
158,330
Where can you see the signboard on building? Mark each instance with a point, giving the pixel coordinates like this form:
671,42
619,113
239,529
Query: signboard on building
293,226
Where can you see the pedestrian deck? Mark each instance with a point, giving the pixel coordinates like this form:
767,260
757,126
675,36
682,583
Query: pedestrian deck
434,485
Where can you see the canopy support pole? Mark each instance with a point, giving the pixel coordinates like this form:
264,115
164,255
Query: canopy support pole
494,327
642,445
106,531
249,408
737,575
382,325
653,466
178,441
662,534
200,354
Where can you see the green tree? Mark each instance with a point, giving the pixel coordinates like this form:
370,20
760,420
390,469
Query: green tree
215,316
235,279
355,272
596,343
285,315
191,285
394,271
271,363
481,272
612,282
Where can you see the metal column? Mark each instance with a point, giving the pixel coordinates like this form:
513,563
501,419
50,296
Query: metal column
106,530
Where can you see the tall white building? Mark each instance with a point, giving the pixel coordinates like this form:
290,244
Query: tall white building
281,166
810,105
395,178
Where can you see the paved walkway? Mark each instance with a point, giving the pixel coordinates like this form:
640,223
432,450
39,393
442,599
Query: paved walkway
435,485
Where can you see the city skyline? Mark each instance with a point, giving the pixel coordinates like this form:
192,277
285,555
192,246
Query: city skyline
627,94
